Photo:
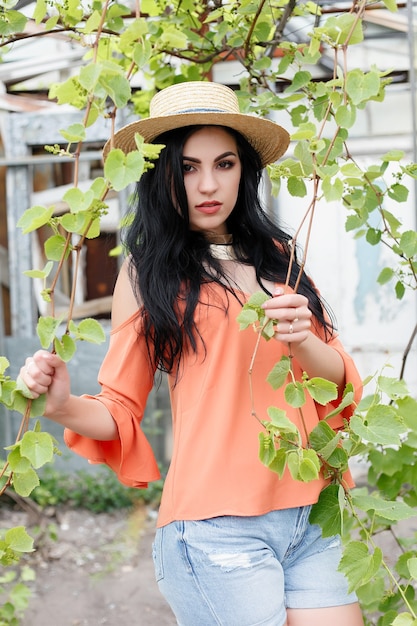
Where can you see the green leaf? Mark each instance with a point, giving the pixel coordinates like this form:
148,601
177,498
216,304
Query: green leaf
407,408
385,275
246,318
26,482
412,567
266,448
391,6
17,462
404,619
278,375
408,243
46,330
381,425
78,200
257,299
118,88
74,222
399,290
309,467
293,462
122,170
321,390
332,191
74,133
398,192
279,462
327,512
358,564
296,187
12,22
306,130
150,7
393,155
4,364
351,170
280,420
345,28
361,86
51,22
34,218
65,348
294,394
69,92
347,401
93,22
89,330
18,539
55,246
345,116
173,37
19,596
23,389
40,11
40,273
373,236
142,52
324,440
19,401
393,387
300,80
389,510
38,447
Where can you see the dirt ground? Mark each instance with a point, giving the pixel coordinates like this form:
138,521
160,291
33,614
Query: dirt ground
97,571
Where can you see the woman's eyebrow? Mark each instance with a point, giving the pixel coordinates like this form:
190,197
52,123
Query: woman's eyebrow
218,158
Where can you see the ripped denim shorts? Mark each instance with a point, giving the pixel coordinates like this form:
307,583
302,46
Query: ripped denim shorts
246,571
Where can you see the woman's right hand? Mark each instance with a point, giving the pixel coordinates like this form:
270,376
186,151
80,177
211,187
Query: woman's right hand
46,373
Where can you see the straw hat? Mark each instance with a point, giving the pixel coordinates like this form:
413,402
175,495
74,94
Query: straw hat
197,103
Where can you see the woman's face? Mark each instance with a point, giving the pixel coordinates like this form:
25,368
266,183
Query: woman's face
212,172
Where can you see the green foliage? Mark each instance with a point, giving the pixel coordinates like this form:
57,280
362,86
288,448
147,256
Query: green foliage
384,433
97,491
14,593
179,41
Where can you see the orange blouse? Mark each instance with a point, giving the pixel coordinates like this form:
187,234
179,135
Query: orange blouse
215,469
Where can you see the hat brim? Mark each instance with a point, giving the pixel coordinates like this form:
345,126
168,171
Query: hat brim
268,138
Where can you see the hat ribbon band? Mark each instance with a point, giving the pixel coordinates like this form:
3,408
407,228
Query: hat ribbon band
199,110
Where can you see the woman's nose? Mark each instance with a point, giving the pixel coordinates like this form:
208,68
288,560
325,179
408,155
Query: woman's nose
208,181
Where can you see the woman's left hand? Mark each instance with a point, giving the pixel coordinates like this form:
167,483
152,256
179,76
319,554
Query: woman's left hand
292,315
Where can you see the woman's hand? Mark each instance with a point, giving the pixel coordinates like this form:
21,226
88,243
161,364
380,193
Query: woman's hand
292,315
46,373
293,326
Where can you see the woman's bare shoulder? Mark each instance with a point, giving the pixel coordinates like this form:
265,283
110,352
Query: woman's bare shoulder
124,303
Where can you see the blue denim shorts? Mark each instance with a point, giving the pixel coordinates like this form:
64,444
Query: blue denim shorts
246,571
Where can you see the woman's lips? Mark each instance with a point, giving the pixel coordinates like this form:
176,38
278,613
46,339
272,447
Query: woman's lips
209,208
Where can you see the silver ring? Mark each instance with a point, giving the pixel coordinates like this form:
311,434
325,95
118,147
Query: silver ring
291,328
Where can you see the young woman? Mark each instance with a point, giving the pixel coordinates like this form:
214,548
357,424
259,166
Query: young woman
234,546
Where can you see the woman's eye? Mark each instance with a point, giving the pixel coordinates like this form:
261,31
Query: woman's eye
225,164
187,167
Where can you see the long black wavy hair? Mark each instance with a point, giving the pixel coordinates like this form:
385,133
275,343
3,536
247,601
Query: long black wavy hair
170,262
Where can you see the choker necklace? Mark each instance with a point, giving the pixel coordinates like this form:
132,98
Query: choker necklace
223,251
221,247
221,240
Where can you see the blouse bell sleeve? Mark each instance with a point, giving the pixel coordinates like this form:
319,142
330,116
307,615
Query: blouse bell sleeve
126,379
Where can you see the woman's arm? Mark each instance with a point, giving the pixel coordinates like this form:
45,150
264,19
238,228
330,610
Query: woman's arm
46,373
